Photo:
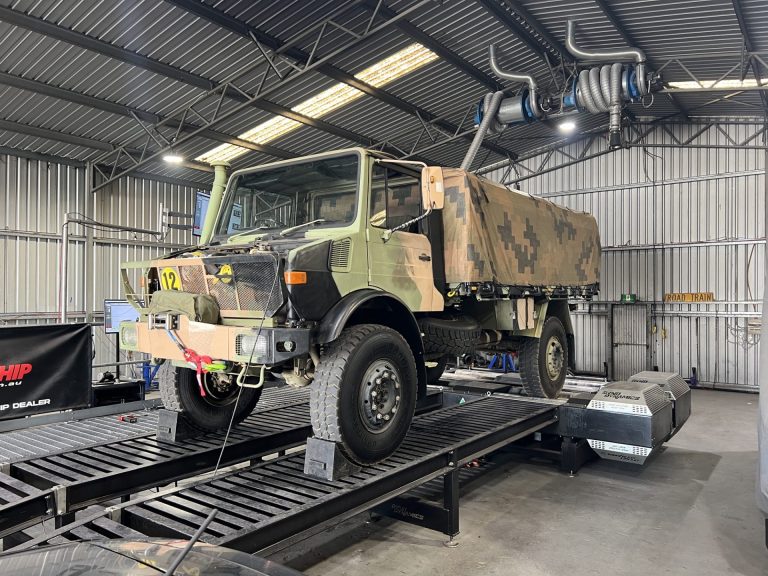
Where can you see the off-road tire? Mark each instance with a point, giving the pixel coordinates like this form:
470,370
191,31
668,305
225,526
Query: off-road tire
179,392
448,337
533,361
434,373
335,405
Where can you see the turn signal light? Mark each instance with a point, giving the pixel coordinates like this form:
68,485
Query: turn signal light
293,277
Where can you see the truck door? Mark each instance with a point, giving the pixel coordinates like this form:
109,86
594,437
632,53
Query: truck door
401,265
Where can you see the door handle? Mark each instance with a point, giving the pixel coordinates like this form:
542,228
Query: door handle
425,257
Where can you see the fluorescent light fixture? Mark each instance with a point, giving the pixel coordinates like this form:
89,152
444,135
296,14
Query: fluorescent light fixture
172,158
724,84
337,96
567,126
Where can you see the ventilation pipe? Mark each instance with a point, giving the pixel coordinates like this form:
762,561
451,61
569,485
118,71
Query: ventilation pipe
220,176
495,112
604,89
527,100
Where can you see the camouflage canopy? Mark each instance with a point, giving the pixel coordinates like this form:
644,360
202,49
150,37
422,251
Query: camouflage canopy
495,234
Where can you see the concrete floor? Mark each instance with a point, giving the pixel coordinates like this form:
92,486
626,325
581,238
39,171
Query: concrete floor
690,511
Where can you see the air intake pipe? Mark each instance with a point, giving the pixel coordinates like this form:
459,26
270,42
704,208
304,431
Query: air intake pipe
604,89
220,176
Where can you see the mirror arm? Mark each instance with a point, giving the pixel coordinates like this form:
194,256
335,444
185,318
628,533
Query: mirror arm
387,234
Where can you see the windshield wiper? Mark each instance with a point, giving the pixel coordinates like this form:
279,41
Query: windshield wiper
248,231
300,226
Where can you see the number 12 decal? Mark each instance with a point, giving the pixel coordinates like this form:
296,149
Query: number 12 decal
169,279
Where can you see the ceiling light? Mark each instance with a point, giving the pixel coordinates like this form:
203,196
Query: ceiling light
380,74
567,127
172,158
709,84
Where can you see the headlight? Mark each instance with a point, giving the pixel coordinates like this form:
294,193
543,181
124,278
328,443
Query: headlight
248,345
128,336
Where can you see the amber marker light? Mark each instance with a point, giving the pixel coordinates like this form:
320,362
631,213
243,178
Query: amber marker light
293,277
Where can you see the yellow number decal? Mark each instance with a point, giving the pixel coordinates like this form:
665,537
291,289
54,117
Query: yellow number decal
169,279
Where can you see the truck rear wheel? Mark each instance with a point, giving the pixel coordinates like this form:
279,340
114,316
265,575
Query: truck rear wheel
364,393
544,360
180,392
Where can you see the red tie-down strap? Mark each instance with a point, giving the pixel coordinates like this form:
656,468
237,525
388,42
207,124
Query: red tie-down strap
201,362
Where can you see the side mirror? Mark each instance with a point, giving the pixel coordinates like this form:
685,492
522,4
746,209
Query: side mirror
432,190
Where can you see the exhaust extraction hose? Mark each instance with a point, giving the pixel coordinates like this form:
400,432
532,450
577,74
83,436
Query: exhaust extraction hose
491,107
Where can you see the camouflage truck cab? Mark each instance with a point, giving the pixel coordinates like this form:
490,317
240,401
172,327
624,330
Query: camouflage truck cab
360,275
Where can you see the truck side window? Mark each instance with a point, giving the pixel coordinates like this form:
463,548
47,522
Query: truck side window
395,198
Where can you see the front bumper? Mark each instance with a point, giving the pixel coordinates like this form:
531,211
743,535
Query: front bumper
231,343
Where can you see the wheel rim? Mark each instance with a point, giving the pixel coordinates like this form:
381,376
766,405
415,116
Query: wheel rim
380,396
218,392
555,358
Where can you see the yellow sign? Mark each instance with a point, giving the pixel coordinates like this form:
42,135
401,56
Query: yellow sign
169,279
689,297
224,274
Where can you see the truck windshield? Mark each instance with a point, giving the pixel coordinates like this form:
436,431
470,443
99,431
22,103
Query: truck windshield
282,197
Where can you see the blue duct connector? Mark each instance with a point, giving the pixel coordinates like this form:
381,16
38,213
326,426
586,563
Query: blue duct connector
569,101
634,89
478,113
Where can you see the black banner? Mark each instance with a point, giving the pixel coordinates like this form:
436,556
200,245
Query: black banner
44,368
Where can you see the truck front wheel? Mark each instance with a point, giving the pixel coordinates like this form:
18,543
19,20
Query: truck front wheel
364,393
544,360
181,393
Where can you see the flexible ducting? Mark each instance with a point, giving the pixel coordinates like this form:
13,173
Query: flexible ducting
599,90
490,108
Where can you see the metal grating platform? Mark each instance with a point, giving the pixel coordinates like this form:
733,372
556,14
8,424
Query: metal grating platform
50,439
79,478
269,505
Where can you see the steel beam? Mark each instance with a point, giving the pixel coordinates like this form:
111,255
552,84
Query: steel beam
413,31
81,40
48,134
501,12
737,8
40,26
232,24
536,29
121,110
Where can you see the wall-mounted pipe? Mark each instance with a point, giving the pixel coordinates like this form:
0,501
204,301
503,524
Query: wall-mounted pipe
220,176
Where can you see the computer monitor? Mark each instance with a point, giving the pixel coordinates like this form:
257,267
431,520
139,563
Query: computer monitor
116,311
202,199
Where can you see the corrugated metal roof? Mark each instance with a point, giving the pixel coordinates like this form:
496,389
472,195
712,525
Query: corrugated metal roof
200,52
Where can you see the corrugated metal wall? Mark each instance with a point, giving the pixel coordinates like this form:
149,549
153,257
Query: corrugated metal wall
671,220
34,195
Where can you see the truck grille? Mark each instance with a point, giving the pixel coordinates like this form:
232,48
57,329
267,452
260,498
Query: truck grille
252,284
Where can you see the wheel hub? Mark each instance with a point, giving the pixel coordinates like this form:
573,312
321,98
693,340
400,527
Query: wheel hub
555,358
217,388
380,395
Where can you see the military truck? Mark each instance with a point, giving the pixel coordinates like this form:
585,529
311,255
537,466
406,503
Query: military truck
360,276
